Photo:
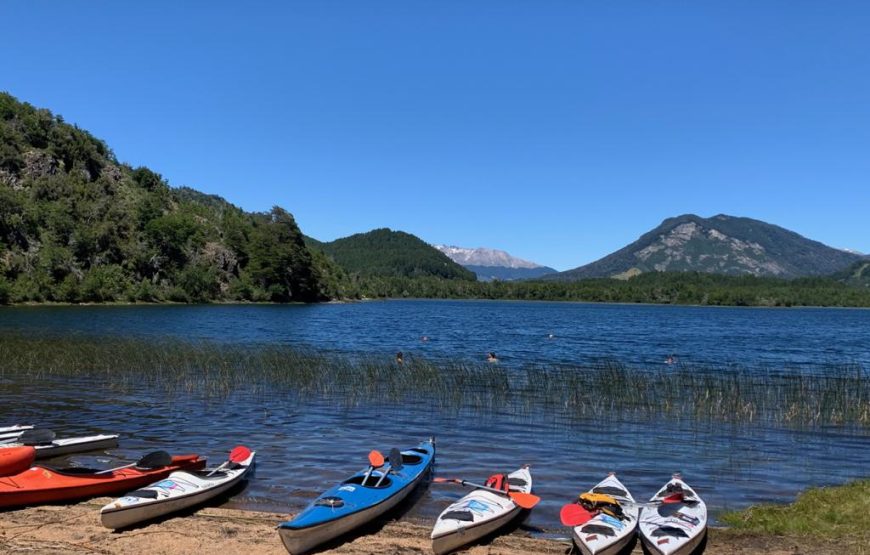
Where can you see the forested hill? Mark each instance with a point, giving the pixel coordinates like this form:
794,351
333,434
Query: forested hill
388,253
78,226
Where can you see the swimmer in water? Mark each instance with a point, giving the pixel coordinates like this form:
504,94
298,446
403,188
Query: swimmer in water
491,357
400,358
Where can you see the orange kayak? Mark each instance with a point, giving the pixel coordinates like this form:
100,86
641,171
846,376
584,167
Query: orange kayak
41,484
14,460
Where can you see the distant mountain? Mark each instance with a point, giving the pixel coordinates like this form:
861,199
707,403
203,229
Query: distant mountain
388,253
490,264
720,245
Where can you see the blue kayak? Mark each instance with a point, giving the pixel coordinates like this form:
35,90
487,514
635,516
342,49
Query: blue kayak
358,499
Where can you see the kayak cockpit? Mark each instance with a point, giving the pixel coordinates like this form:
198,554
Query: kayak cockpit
372,481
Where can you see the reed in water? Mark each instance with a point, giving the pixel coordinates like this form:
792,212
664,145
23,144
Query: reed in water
832,395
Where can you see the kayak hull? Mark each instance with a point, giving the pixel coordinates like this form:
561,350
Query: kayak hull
38,485
303,540
14,460
70,445
359,504
608,535
489,511
181,490
674,529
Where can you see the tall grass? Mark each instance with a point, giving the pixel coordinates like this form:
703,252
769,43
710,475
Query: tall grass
828,396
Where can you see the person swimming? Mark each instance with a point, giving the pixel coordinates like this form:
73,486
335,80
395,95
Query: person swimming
491,357
400,358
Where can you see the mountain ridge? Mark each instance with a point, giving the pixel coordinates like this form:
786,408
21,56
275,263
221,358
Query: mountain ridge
722,244
494,264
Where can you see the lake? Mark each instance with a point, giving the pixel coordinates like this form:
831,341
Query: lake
306,444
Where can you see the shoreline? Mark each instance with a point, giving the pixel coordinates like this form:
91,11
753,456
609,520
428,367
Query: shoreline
46,304
75,529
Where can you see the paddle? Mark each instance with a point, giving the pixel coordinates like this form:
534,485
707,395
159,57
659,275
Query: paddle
32,437
524,500
573,514
395,464
151,460
376,460
238,455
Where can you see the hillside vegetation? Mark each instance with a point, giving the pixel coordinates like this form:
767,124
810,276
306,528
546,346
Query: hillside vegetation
78,226
693,288
388,253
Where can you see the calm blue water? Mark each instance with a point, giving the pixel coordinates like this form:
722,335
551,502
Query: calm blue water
517,331
304,446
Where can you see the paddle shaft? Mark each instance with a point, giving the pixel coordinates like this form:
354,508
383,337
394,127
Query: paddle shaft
109,470
481,486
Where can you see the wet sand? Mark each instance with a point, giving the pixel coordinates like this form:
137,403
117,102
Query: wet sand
75,529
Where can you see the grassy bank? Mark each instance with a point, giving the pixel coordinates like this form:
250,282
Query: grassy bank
841,513
837,395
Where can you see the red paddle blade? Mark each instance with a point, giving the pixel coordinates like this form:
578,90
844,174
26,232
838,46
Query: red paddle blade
440,480
573,514
674,498
525,500
239,454
376,459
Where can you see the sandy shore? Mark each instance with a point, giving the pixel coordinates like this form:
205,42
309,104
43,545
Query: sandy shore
75,529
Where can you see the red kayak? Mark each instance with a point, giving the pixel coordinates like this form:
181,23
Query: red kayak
41,484
14,460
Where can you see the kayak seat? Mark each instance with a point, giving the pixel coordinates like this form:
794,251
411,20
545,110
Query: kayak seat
672,531
411,459
610,490
598,529
143,493
519,482
76,471
459,515
204,474
373,479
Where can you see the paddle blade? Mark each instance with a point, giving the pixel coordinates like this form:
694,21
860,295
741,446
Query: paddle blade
239,454
395,459
674,498
376,459
155,460
441,480
36,437
573,514
525,500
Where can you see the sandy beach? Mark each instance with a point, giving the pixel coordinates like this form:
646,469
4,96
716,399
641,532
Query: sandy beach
75,529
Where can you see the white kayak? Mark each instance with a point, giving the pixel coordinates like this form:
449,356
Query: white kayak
612,528
478,514
13,431
181,490
66,446
674,528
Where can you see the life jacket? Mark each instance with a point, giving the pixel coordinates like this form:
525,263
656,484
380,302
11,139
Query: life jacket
498,481
603,503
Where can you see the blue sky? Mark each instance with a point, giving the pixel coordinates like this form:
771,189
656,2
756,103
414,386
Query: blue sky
558,131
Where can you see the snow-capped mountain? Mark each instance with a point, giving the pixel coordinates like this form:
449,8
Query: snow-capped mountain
491,264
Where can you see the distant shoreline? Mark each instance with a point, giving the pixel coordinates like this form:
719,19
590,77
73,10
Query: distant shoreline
392,299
